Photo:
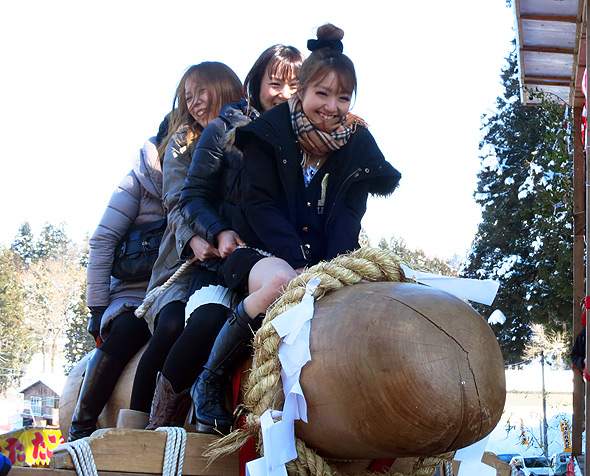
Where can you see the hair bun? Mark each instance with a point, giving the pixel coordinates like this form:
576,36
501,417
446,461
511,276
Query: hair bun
329,36
318,44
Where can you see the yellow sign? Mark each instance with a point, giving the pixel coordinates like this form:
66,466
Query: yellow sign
30,446
566,433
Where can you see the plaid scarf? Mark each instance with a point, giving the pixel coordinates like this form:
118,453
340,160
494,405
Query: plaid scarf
316,142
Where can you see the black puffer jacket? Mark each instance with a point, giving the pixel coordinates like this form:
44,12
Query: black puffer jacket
304,225
211,188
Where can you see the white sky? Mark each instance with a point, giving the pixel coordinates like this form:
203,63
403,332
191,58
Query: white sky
84,84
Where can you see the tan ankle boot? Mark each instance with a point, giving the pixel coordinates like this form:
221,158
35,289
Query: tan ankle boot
132,419
168,408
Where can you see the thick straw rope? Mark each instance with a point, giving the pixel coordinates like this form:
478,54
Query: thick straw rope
154,293
263,389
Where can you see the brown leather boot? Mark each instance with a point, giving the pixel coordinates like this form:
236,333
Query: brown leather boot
168,408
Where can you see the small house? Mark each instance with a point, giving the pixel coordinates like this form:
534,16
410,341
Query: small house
41,405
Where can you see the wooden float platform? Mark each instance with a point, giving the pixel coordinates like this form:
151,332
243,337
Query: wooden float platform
126,452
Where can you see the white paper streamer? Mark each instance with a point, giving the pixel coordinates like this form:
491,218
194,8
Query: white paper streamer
470,458
478,290
278,438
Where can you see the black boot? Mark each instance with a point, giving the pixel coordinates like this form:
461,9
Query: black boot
230,348
102,373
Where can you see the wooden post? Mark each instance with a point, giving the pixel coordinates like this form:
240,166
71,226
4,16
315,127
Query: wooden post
587,399
578,275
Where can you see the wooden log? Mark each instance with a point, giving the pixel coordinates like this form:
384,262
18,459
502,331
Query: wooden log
399,369
142,451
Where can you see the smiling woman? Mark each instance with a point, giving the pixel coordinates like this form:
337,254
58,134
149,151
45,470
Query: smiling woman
309,166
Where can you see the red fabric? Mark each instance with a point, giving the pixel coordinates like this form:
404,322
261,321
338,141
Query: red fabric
248,451
586,306
381,465
570,468
578,369
98,342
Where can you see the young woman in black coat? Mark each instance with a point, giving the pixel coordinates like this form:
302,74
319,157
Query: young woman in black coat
309,166
208,201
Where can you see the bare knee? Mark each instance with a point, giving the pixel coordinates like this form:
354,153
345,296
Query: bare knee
266,284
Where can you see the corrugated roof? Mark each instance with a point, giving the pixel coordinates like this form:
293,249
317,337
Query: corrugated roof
552,48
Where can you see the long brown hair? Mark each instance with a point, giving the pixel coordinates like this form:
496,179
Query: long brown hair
222,85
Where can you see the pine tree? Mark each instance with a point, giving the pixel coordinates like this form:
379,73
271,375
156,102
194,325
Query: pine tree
417,258
24,243
524,239
52,241
16,336
79,341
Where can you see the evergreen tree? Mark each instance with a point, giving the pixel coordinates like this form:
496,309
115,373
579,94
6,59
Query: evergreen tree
24,243
16,341
52,241
79,341
417,259
524,239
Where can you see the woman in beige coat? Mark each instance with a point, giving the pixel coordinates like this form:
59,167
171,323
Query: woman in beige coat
112,302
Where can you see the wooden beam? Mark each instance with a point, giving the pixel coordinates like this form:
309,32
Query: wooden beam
548,77
547,49
586,450
140,451
546,83
26,471
541,17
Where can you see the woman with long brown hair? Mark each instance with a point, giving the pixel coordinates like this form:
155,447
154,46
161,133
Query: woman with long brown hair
202,91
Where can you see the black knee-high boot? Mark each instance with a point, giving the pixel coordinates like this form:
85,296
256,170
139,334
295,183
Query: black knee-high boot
102,373
230,348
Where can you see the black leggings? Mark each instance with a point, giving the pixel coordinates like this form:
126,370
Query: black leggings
190,352
169,326
127,334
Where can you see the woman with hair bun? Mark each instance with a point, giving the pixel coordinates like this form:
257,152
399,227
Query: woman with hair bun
309,166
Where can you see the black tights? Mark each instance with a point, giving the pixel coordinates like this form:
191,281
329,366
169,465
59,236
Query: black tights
190,352
169,326
127,334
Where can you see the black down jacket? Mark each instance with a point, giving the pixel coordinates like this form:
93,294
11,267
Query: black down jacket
212,187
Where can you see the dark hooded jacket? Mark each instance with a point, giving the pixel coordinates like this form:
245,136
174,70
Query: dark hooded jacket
304,225
212,187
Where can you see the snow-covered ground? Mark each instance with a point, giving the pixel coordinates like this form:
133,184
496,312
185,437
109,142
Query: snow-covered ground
524,412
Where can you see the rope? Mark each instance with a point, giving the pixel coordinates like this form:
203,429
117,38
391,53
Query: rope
263,388
82,457
154,293
174,454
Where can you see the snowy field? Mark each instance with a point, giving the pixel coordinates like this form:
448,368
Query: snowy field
507,437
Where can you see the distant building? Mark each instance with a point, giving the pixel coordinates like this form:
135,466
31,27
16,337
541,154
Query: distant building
41,405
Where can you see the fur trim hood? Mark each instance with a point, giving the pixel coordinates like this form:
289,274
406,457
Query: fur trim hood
148,169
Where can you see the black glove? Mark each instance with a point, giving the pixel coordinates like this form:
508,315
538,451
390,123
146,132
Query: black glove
94,321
